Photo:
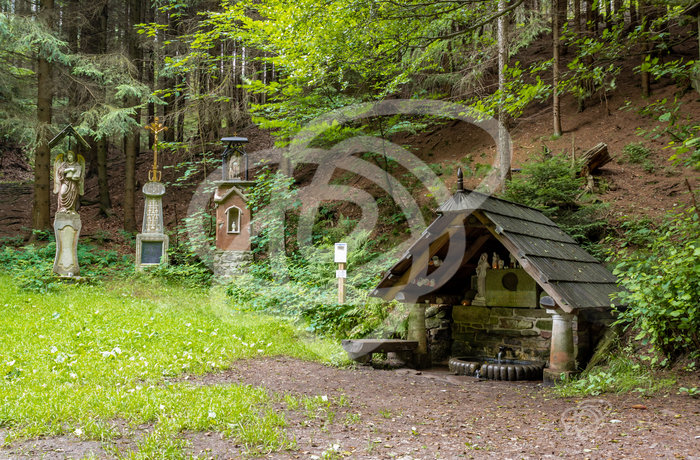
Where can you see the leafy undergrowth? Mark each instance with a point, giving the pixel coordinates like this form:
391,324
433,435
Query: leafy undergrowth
32,266
76,359
623,374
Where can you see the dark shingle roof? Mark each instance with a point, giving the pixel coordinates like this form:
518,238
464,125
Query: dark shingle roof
556,261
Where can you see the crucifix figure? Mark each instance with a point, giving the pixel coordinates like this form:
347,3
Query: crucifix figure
155,127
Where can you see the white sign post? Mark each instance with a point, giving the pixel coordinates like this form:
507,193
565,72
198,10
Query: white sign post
341,258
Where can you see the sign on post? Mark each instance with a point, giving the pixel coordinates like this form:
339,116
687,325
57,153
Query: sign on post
341,258
341,253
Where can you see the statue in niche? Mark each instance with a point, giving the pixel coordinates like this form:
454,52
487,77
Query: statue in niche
234,167
68,180
496,259
481,267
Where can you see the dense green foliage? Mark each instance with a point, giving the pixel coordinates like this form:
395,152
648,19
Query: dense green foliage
83,356
662,298
32,266
296,280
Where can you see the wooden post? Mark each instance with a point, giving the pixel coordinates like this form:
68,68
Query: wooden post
573,150
341,285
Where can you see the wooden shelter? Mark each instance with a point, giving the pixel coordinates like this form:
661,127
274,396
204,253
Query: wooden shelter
539,260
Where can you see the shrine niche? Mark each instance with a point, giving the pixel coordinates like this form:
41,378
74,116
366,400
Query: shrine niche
233,249
233,220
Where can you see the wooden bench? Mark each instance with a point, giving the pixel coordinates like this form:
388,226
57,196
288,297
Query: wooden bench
361,349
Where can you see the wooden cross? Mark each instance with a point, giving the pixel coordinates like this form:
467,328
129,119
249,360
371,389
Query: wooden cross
155,128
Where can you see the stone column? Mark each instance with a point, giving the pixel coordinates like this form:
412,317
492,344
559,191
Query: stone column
561,355
152,242
66,226
416,331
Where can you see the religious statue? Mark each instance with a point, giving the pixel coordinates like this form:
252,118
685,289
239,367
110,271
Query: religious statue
234,167
481,267
68,180
513,261
494,263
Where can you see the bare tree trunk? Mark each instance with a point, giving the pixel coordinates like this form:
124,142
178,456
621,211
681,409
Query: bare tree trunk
102,175
103,178
617,9
41,219
634,17
646,78
577,16
503,138
132,139
150,75
555,66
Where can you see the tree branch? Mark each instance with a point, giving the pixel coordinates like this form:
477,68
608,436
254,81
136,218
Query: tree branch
474,27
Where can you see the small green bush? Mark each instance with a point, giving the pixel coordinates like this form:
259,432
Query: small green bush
662,296
551,185
636,153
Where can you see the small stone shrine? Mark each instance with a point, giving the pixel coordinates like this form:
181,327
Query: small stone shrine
233,217
550,303
68,185
152,242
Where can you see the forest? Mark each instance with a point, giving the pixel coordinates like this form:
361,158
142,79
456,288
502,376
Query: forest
514,94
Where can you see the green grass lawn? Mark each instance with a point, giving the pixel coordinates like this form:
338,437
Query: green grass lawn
74,360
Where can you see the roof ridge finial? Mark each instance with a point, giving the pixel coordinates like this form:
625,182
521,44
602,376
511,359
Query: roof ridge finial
460,180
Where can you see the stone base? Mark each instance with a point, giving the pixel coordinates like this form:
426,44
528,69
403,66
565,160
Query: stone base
151,249
228,264
72,279
66,227
553,376
479,302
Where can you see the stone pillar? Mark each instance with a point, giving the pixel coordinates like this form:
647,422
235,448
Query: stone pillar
416,331
66,226
152,242
561,355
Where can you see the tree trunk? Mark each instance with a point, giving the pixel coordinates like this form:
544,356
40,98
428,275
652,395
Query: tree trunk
103,178
646,78
555,66
132,139
617,11
503,139
40,206
634,18
577,16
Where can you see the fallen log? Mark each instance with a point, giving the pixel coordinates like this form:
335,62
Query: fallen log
594,158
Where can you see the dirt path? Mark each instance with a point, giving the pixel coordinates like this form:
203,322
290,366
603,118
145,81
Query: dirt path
402,414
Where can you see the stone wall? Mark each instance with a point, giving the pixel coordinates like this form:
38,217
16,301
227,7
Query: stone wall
525,332
228,264
438,321
480,331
